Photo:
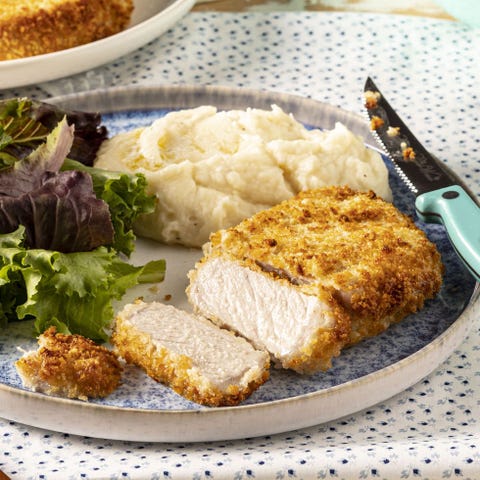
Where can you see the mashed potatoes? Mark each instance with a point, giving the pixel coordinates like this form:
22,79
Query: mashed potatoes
211,169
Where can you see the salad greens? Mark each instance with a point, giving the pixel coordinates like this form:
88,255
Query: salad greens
73,291
64,224
26,123
125,196
59,210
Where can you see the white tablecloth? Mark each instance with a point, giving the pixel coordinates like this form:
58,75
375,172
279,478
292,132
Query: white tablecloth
430,71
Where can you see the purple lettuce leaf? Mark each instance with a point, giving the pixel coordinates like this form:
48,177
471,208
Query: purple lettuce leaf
89,133
58,209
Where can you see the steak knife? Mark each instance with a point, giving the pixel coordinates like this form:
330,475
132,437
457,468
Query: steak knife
440,197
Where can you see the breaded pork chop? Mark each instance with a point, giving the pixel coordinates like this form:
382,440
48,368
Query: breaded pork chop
316,273
200,361
69,366
36,27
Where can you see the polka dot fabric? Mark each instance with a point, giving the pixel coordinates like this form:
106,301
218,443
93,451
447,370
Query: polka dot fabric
429,71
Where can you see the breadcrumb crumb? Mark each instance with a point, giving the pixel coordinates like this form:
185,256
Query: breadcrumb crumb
408,153
376,123
371,99
70,366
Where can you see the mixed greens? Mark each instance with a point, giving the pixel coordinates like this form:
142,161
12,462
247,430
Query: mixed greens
64,225
26,123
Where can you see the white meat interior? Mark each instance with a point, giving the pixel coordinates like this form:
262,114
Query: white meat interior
273,315
217,355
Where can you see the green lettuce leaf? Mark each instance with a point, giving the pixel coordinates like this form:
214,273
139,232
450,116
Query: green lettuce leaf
73,291
63,230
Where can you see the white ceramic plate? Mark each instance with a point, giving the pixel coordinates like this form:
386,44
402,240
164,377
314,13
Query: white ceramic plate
150,19
363,375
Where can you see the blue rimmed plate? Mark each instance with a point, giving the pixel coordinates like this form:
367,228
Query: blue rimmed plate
363,375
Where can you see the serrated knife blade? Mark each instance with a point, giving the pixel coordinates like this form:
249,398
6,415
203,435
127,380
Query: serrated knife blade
439,196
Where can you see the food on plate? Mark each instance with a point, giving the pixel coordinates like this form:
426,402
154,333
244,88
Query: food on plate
26,123
211,169
35,27
197,359
63,223
58,209
315,274
69,366
73,291
293,277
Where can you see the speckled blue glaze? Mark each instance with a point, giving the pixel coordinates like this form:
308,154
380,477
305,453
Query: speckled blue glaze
397,343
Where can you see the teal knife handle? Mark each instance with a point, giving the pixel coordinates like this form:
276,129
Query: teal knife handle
460,215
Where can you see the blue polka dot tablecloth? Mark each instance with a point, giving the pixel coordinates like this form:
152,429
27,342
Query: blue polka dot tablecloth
430,71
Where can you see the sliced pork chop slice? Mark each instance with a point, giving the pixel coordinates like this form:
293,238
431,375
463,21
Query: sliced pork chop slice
314,274
196,358
269,312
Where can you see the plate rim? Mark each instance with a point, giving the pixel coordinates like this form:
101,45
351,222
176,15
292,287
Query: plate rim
242,419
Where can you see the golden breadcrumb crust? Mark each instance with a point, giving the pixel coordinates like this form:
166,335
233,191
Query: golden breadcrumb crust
70,366
35,27
175,370
358,253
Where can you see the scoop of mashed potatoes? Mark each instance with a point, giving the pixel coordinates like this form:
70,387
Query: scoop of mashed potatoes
210,169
